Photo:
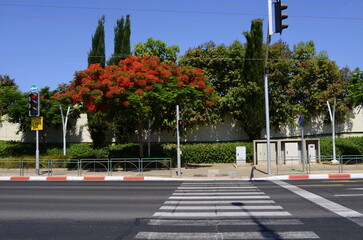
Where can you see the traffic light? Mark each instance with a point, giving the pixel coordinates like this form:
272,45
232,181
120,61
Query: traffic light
34,104
180,125
279,16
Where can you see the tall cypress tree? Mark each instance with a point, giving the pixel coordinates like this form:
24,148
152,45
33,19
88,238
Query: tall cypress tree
119,35
98,50
96,126
126,45
246,101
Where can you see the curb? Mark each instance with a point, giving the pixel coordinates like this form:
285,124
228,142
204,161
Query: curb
313,176
72,178
141,178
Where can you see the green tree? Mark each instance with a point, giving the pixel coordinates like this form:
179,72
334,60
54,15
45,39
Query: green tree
97,53
246,101
280,65
9,94
142,88
157,48
356,87
119,33
126,42
49,110
223,65
315,80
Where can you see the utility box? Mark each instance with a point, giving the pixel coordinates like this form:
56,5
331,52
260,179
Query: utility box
241,156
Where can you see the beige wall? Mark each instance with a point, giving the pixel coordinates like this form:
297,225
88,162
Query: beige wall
228,130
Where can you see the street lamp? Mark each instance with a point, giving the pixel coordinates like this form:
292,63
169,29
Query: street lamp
64,126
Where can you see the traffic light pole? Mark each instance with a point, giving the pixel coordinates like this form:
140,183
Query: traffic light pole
37,152
267,107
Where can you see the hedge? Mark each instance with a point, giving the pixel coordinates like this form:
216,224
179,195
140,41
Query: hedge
343,146
191,152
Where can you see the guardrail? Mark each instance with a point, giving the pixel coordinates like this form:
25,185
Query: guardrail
319,164
109,166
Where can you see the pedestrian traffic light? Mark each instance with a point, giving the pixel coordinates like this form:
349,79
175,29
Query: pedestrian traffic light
34,104
180,125
279,16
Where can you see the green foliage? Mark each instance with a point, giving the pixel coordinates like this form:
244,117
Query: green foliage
344,146
97,53
222,64
82,150
122,48
126,42
356,88
157,48
214,152
246,101
16,149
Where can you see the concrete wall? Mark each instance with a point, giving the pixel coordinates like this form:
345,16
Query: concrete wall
228,130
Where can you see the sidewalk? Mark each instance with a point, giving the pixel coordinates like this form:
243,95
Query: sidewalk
192,172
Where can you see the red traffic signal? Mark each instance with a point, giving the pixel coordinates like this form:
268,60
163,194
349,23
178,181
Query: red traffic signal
180,125
34,104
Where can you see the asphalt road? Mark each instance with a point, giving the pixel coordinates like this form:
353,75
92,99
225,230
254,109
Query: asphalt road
77,210
182,210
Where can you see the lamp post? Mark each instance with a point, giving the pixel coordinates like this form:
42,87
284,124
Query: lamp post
64,126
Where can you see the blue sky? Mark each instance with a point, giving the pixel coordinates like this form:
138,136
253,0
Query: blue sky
44,42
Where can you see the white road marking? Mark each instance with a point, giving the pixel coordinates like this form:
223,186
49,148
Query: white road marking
175,207
217,193
348,195
214,183
224,222
222,202
345,212
227,235
217,190
359,189
203,188
214,197
221,214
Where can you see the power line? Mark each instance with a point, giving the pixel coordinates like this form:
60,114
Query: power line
186,3
175,19
206,59
173,11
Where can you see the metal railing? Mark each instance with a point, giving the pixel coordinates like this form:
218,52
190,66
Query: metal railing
79,167
319,164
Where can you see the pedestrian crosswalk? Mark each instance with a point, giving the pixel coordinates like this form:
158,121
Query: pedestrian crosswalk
222,210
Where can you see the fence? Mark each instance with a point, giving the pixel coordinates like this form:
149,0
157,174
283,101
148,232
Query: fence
319,164
94,166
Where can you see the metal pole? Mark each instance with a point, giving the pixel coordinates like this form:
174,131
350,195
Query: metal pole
269,34
302,147
64,126
332,119
178,142
37,152
148,138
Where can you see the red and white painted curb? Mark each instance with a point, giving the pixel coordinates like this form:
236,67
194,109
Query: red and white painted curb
315,176
72,178
142,178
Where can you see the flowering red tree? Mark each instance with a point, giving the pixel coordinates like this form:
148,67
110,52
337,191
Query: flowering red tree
139,89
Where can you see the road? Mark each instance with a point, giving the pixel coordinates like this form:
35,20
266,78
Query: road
307,209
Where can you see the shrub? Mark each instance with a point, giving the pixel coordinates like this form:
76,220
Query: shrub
81,150
343,146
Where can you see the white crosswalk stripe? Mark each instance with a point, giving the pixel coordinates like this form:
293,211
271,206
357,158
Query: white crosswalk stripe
215,204
227,235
